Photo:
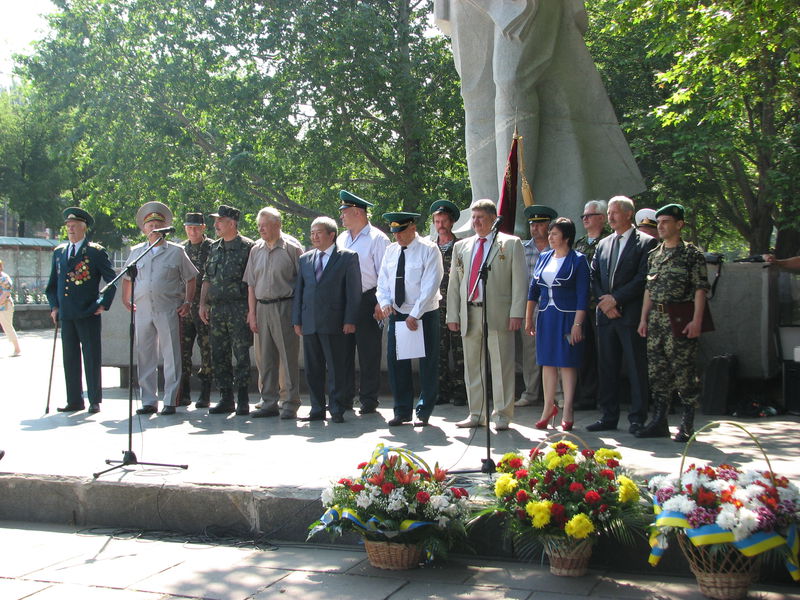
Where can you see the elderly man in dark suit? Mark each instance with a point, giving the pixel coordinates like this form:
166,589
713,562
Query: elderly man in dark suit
73,292
327,297
619,268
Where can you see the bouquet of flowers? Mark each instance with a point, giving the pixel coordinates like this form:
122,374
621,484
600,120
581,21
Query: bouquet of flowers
397,498
754,511
562,495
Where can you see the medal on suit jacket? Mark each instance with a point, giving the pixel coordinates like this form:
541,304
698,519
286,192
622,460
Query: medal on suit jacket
80,273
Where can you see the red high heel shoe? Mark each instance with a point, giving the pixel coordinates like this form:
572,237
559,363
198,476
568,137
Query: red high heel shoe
567,425
543,423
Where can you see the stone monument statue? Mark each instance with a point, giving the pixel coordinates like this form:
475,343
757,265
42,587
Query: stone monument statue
524,63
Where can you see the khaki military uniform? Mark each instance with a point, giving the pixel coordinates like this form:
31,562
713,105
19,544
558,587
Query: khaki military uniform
451,379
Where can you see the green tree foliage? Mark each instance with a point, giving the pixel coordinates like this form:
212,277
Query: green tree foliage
196,102
726,127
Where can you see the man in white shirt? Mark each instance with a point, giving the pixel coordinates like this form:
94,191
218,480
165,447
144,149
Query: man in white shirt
369,243
164,288
408,293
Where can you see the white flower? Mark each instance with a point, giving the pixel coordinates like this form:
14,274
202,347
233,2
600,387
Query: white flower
397,504
327,496
440,502
748,477
364,499
748,523
660,481
718,486
727,517
680,503
442,521
695,479
375,491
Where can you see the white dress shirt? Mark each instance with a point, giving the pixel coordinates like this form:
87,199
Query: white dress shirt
423,274
370,245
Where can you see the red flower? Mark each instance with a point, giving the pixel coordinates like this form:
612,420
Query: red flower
612,462
376,479
558,513
515,463
362,465
592,497
439,474
589,476
576,487
356,487
587,453
386,488
534,452
571,468
548,476
424,474
345,481
423,497
603,508
522,496
608,474
521,514
521,474
706,498
561,448
459,492
561,481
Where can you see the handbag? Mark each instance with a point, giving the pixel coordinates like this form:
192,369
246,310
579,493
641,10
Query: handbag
680,315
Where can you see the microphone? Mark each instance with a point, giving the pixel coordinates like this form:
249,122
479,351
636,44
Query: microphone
164,230
497,222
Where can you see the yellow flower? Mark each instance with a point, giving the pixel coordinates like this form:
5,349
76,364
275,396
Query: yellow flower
628,490
579,526
603,455
566,443
539,512
552,460
504,485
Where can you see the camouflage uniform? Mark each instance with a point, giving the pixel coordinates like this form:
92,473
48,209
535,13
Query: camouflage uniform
227,299
674,275
451,380
192,327
588,379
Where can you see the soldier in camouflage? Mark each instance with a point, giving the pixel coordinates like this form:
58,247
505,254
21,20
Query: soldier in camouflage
676,273
594,221
193,329
223,306
451,380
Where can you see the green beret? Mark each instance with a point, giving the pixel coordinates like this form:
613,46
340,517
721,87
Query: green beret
227,211
194,219
671,210
77,214
347,199
398,221
538,213
447,207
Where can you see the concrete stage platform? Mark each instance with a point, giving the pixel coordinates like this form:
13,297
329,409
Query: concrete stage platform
262,475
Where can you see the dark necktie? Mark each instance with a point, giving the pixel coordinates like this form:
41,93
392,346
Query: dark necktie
318,269
71,251
614,259
400,279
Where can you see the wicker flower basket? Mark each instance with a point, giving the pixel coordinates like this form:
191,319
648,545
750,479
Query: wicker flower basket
725,575
568,558
393,556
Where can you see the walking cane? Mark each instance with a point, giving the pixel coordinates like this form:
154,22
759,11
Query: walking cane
52,362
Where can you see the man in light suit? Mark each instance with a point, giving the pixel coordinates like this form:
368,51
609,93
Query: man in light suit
504,302
327,297
619,268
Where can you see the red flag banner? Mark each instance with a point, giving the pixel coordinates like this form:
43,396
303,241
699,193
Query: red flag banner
507,205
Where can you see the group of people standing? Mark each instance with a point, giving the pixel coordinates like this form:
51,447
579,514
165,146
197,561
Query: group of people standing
580,307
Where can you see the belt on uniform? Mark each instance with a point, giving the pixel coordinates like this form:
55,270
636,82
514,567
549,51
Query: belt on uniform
370,291
662,308
274,300
475,304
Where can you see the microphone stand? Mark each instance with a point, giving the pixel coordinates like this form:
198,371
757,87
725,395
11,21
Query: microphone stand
128,456
488,465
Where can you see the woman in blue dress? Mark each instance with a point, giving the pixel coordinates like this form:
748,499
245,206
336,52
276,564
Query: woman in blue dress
560,288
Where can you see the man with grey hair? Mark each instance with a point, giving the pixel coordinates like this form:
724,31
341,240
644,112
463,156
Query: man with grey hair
270,276
594,221
327,297
619,269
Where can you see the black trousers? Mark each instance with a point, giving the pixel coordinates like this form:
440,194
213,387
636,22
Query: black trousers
367,340
81,337
588,379
324,356
615,340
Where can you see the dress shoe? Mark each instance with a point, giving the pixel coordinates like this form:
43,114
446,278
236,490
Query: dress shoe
421,422
524,402
469,422
634,428
222,408
70,408
337,419
567,425
314,417
543,423
185,402
601,425
265,412
167,410
368,410
94,407
202,404
285,416
147,409
397,421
